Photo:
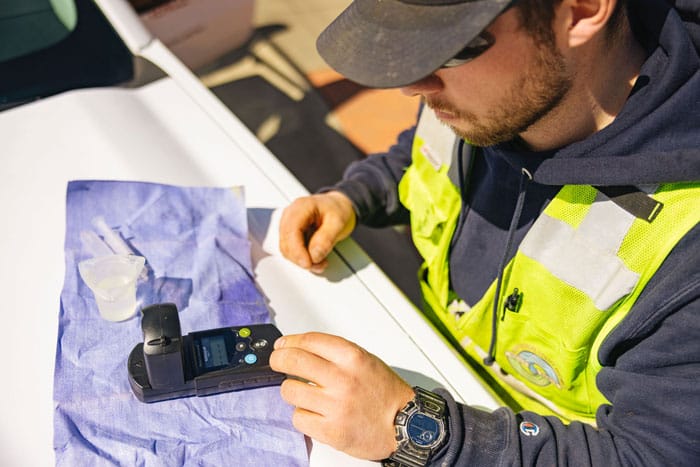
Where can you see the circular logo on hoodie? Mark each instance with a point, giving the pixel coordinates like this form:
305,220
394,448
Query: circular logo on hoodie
529,429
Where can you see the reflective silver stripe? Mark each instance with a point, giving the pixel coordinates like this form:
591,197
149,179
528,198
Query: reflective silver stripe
586,258
606,224
438,139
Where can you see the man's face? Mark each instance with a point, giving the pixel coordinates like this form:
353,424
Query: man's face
503,92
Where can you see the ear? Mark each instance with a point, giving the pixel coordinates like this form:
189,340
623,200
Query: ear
587,18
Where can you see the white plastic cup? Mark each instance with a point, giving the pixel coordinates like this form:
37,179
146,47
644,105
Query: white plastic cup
112,279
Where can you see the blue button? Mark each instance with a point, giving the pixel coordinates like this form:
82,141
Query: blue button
250,358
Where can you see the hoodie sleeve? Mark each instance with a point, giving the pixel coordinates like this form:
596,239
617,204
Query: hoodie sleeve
651,376
372,184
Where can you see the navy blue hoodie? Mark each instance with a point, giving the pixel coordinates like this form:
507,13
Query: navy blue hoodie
651,361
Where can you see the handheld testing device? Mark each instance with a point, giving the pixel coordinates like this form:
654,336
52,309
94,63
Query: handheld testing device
167,365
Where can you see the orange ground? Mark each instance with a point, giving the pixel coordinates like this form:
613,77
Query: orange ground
370,118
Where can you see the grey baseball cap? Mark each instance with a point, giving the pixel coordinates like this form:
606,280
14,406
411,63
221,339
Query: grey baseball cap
391,43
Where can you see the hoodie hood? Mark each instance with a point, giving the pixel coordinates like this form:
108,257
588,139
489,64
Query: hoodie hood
656,137
689,11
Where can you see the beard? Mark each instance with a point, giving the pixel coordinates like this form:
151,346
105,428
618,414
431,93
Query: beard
538,90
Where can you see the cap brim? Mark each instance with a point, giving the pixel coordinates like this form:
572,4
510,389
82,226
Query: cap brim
388,43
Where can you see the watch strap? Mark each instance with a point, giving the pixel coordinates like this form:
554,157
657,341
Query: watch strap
430,403
408,457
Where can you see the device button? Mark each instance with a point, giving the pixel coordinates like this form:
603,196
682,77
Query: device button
259,344
250,358
241,346
244,332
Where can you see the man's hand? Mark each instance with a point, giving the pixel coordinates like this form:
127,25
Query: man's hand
311,226
350,399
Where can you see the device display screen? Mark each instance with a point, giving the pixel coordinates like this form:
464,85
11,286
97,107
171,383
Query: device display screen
214,351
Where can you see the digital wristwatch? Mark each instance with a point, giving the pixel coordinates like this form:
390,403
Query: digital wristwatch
421,429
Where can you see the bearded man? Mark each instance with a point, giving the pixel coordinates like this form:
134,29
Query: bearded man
551,187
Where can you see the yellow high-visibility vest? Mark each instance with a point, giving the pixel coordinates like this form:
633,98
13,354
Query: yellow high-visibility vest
578,272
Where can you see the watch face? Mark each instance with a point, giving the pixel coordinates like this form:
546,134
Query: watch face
423,430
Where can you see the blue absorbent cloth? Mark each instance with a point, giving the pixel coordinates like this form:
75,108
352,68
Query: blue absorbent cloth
197,256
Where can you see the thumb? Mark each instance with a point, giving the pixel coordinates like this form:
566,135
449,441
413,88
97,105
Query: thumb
324,239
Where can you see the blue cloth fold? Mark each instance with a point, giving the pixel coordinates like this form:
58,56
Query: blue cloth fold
197,256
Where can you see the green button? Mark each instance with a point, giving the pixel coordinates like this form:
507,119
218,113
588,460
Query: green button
244,332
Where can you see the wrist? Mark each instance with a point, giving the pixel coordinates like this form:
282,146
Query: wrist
399,404
357,193
421,429
345,205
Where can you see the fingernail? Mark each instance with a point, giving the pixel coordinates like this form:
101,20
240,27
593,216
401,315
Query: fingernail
279,343
302,261
318,255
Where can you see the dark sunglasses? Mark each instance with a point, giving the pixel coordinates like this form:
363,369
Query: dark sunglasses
473,49
476,46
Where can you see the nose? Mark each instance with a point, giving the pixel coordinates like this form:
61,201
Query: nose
423,87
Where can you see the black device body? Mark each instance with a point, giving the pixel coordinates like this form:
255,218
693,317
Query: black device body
167,365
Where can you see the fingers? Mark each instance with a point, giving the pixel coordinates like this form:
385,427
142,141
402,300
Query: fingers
297,219
323,359
303,363
311,226
321,428
312,341
330,231
306,396
351,398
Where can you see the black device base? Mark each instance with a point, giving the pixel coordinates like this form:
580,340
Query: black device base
167,365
